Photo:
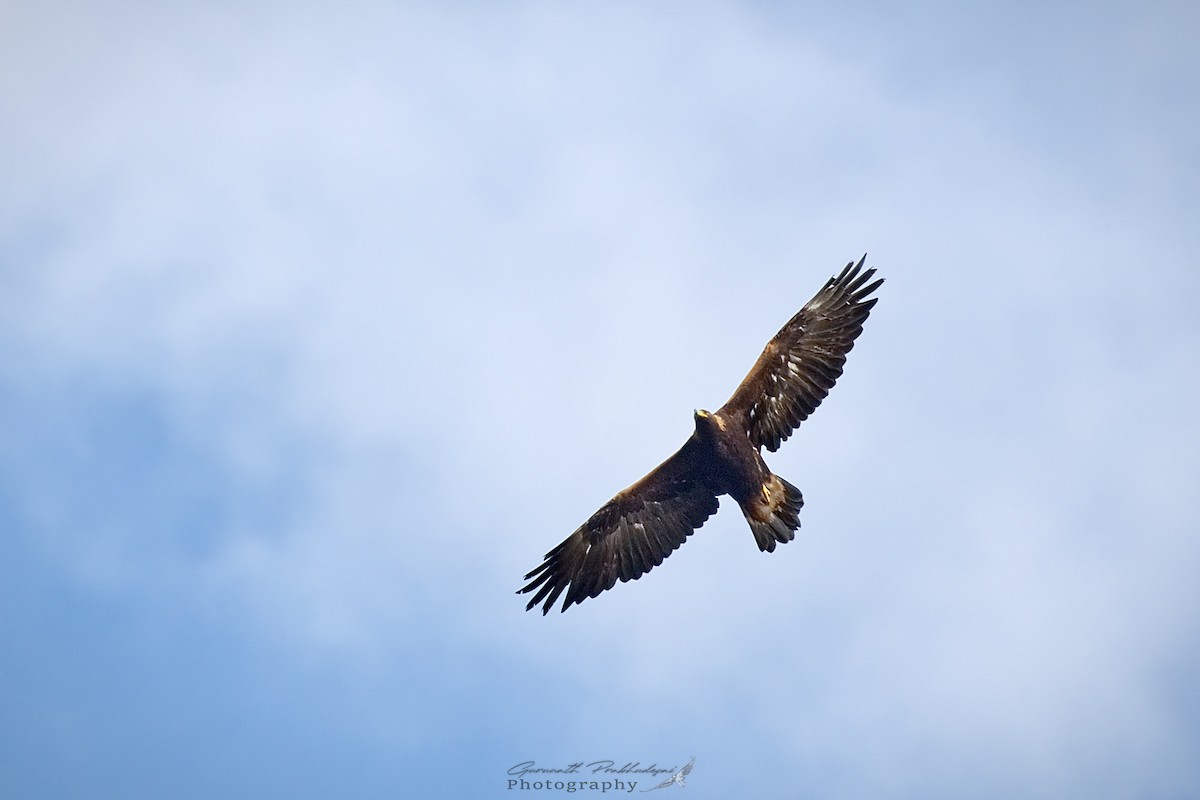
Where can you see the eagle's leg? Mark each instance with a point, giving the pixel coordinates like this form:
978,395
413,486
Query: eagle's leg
773,512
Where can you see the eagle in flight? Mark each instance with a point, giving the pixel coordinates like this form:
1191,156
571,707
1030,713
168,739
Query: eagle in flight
632,533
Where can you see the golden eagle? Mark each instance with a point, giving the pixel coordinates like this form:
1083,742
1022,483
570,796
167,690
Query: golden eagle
632,533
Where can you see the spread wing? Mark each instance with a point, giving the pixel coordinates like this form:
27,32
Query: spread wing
630,534
800,365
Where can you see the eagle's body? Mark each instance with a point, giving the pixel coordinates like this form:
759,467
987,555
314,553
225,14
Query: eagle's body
632,533
730,464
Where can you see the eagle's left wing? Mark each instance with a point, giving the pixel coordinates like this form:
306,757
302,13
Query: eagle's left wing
630,534
800,365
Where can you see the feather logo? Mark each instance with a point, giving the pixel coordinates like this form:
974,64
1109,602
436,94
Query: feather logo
677,778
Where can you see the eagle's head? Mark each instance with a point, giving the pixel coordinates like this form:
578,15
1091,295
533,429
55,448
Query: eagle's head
708,421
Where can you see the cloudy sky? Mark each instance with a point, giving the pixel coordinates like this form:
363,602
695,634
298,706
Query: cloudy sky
319,327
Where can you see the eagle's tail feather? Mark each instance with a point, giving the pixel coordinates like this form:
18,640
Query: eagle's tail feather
774,513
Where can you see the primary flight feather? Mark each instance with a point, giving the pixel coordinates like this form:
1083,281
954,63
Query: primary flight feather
633,532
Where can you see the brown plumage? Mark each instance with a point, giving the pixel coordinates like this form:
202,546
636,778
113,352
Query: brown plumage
633,532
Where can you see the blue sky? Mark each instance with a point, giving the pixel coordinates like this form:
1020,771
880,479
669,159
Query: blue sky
319,327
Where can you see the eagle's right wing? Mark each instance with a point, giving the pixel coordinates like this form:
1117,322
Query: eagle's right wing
801,363
630,534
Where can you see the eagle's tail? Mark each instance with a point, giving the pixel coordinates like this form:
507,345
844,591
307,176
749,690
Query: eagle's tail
773,513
